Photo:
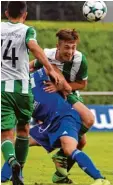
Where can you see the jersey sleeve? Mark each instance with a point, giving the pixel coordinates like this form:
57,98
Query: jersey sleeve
83,71
30,35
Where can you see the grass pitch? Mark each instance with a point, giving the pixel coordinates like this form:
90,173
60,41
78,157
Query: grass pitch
39,167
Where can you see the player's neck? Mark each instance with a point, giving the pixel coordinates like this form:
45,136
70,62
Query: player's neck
17,20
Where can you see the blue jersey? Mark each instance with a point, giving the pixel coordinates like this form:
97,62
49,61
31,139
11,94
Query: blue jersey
48,106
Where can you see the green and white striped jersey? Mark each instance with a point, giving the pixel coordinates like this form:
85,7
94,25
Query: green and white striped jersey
73,70
15,56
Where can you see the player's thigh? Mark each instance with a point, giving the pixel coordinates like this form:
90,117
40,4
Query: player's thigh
8,134
67,126
8,118
40,137
85,114
24,108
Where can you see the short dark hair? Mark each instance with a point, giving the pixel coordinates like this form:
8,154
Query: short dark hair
16,8
68,35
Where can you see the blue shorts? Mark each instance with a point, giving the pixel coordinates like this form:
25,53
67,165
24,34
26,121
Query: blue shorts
50,138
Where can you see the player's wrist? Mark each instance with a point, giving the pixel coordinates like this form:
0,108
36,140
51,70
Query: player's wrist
50,69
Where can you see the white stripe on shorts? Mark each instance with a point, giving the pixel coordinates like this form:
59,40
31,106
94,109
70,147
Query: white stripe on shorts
9,86
25,86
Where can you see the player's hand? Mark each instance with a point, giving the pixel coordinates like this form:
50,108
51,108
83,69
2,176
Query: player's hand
31,70
50,87
55,76
31,66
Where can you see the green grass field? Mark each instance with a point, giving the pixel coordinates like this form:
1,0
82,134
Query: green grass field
39,167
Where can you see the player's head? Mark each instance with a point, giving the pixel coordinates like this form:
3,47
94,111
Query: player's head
67,43
16,10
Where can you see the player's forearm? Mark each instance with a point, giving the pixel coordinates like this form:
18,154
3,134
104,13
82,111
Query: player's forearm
43,59
78,85
39,55
67,87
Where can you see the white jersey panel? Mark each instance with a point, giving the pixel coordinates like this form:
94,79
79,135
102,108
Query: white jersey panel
14,54
76,65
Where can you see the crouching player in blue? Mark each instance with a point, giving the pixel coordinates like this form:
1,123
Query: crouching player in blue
61,126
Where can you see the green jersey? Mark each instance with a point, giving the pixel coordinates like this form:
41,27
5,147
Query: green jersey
15,56
74,70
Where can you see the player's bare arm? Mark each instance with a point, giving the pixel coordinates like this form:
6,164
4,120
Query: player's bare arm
78,84
37,51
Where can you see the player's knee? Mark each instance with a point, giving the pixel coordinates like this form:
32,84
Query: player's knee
90,120
68,150
7,135
23,130
68,144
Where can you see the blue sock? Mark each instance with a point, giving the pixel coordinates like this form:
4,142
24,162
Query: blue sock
6,172
86,164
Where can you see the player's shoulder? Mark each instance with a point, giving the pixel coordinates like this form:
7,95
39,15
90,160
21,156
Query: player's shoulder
3,24
78,56
50,53
24,26
29,31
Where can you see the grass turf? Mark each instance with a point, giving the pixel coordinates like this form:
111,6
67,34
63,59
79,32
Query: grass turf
39,167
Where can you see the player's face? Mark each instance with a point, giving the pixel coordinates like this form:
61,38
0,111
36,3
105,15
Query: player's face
66,50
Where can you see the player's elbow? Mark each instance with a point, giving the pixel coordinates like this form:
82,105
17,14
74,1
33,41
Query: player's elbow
84,83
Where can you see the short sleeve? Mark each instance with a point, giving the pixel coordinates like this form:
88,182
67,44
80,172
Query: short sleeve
31,34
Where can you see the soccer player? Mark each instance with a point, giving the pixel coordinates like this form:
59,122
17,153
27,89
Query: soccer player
61,126
73,65
16,98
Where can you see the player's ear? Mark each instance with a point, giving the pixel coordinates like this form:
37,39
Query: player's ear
6,14
25,15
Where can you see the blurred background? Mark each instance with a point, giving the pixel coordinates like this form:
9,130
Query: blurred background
58,10
96,42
